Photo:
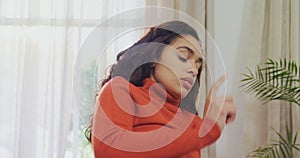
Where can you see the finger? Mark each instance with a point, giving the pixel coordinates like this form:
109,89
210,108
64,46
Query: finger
215,87
231,114
229,98
230,118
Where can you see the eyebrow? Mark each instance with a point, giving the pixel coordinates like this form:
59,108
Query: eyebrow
200,59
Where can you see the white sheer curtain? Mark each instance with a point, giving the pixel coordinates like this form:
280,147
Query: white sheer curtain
271,29
39,41
38,52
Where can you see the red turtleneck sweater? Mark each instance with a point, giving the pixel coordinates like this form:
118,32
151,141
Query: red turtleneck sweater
146,121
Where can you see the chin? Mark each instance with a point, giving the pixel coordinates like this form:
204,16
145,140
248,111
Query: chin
183,95
177,94
180,93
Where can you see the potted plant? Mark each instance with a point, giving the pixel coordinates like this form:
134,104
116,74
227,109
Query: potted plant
276,80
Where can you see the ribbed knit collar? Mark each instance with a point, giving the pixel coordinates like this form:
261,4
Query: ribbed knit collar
160,90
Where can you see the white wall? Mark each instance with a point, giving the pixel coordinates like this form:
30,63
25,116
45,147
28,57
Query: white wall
228,16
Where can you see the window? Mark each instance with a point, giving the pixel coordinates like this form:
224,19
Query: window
39,41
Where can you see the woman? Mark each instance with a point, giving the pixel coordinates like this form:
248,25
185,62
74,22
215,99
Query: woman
137,112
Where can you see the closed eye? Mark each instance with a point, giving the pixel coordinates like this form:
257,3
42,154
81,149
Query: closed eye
182,55
181,58
186,51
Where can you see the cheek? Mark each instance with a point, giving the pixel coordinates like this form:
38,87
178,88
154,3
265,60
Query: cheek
173,66
169,79
166,73
170,72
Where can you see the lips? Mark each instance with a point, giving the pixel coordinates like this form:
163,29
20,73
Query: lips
187,82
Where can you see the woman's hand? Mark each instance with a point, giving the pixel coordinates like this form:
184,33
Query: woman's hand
220,109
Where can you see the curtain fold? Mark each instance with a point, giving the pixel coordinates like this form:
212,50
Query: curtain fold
39,49
270,30
39,42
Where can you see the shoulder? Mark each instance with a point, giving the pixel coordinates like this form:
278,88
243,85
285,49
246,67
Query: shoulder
117,82
117,86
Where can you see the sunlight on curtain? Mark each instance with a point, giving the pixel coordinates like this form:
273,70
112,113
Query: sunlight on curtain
39,41
270,30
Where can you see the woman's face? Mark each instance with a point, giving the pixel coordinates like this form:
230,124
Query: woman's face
178,66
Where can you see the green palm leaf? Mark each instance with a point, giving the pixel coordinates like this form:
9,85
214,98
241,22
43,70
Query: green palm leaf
282,148
274,81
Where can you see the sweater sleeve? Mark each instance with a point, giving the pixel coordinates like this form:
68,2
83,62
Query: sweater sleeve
113,134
